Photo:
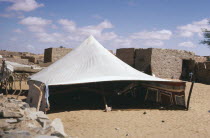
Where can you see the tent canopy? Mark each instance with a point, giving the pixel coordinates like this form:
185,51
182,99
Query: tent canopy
90,62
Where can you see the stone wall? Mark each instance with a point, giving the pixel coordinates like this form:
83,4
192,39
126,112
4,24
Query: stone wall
167,63
18,120
53,54
143,59
126,55
203,72
30,59
200,59
163,63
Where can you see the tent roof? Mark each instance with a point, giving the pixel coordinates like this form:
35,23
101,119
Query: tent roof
90,62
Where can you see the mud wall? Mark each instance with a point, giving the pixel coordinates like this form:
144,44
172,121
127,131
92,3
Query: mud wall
167,63
53,54
127,55
143,59
203,72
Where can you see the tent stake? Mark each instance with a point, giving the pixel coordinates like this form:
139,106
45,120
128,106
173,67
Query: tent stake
189,96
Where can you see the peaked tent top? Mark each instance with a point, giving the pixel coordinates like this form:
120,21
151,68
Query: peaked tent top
90,62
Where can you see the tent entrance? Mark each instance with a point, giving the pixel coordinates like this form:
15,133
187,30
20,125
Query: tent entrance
90,96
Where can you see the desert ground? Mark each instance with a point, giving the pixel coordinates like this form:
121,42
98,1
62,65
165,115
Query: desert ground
134,123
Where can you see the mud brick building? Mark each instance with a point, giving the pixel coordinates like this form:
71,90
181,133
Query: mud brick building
203,72
163,63
53,54
127,55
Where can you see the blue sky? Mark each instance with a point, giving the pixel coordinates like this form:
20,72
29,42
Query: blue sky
33,25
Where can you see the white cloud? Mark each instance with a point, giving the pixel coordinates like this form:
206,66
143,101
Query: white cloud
13,39
18,30
68,25
194,28
153,43
35,24
96,30
107,36
74,34
35,21
152,38
6,15
158,35
12,14
96,16
23,5
50,37
122,42
188,44
30,47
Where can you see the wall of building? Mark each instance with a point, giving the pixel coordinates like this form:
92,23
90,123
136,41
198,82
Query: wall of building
53,54
203,72
200,59
143,60
167,63
127,55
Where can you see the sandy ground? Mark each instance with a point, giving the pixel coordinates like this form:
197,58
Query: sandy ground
133,123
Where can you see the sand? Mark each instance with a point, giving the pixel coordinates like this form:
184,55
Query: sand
133,123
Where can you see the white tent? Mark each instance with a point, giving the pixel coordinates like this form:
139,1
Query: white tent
90,62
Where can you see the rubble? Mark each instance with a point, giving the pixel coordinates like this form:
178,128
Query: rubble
18,120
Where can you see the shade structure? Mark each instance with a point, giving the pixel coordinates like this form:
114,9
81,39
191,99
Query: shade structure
90,62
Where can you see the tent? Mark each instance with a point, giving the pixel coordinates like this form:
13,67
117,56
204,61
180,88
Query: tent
88,63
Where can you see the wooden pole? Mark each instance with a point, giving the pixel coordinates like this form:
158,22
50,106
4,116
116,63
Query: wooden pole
105,103
6,88
1,87
40,96
20,89
15,88
189,96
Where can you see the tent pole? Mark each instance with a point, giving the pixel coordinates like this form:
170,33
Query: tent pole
189,96
105,103
107,108
40,96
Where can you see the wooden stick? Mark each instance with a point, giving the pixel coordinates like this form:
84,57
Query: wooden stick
1,87
105,103
6,88
40,96
15,89
20,89
189,96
